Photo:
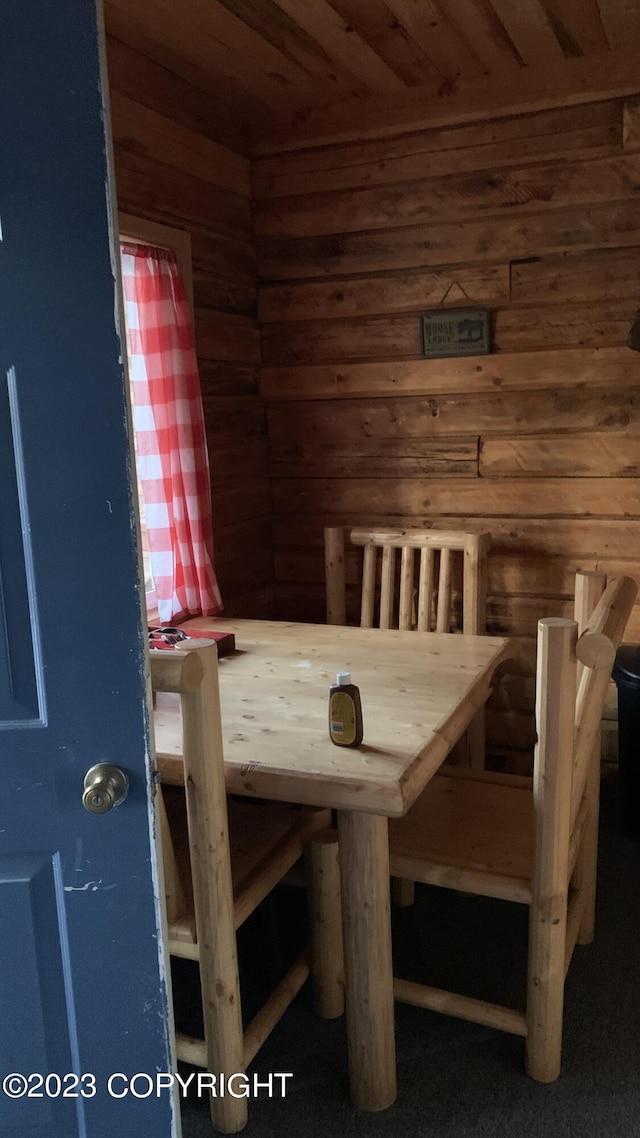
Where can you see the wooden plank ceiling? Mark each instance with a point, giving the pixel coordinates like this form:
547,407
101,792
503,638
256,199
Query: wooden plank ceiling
272,66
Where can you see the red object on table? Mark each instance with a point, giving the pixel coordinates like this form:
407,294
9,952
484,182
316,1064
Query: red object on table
225,641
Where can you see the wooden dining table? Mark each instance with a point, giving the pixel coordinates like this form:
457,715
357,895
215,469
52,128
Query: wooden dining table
419,693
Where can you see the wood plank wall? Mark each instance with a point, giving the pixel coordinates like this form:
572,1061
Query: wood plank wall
537,217
169,170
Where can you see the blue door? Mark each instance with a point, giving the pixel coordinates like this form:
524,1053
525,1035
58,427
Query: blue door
82,983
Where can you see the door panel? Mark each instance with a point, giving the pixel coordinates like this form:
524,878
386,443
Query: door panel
38,1021
19,702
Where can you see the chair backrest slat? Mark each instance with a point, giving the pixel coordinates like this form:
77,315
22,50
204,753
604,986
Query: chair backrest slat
425,589
474,585
387,582
368,587
406,588
444,591
400,599
555,707
600,638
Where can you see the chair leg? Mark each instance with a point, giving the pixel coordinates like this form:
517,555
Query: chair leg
327,953
555,710
403,892
587,863
477,742
173,889
213,894
470,749
545,987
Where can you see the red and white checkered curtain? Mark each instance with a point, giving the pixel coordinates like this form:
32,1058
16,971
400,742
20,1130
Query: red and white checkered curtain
173,465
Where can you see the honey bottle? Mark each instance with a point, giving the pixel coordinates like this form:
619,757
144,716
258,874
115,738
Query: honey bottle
345,712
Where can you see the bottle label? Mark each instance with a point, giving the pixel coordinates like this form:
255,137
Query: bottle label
343,718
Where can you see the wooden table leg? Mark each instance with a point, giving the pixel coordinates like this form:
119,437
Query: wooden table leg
364,872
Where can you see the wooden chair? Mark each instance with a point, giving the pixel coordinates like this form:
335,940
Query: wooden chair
220,859
422,598
532,841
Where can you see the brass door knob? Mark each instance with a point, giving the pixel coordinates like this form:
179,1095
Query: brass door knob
105,786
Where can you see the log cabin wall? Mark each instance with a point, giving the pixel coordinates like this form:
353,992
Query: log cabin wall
536,217
169,170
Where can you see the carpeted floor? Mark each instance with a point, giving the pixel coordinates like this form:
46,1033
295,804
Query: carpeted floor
456,1079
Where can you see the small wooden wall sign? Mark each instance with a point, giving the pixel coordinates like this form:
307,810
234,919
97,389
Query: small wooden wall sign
455,332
